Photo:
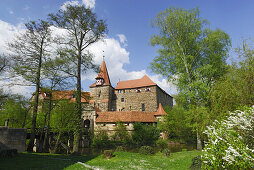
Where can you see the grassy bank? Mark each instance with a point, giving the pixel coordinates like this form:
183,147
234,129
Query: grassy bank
121,160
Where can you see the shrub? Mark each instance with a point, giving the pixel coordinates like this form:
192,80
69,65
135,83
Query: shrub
162,144
120,149
145,134
166,152
230,142
101,139
146,150
108,154
121,134
196,163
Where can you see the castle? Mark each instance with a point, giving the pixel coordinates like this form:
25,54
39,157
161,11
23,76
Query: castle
131,101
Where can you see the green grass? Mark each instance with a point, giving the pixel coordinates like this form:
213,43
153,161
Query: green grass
121,160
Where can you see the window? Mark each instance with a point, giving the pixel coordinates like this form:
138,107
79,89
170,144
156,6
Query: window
123,91
138,90
143,107
122,99
147,89
130,108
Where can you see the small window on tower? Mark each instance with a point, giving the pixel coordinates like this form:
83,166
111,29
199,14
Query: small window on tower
147,89
122,99
143,107
138,90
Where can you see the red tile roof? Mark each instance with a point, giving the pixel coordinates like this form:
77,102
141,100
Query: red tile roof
125,116
144,81
67,95
103,74
160,111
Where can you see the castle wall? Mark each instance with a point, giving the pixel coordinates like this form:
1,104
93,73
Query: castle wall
133,100
163,98
13,138
101,97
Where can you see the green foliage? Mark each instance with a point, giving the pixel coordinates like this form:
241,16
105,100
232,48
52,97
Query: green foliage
190,53
15,112
120,149
146,150
162,144
63,117
121,134
196,163
177,123
108,154
5,153
145,134
230,142
101,139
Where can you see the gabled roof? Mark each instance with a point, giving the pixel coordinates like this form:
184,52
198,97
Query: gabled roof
125,116
160,111
144,81
103,74
67,95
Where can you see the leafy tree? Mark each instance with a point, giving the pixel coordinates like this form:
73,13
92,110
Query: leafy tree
29,50
63,120
101,139
121,133
15,112
177,124
83,29
190,53
145,134
4,63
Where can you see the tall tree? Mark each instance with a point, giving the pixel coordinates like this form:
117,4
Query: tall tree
191,53
29,50
83,29
3,63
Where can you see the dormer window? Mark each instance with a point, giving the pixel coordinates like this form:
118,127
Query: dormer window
99,81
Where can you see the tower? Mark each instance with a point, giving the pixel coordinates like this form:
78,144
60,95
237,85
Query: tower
101,91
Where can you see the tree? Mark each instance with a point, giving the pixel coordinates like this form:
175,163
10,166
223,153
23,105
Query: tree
3,63
29,50
190,53
83,29
63,120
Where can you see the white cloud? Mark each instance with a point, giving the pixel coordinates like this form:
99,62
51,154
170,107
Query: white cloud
123,39
72,3
89,3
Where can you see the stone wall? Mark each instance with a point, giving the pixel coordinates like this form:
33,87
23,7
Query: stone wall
131,100
101,97
163,98
13,138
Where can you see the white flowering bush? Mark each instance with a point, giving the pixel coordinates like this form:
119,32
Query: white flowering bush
230,142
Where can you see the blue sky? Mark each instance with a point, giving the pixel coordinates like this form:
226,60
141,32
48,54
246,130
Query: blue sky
127,48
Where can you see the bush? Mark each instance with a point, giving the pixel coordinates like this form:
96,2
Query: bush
196,163
8,153
166,152
101,139
121,134
120,149
162,144
229,145
145,134
146,150
108,154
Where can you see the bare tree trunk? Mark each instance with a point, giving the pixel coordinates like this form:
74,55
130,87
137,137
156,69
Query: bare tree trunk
46,142
77,132
35,108
199,144
57,142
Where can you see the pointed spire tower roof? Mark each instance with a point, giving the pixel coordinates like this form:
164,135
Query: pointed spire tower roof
160,111
103,74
